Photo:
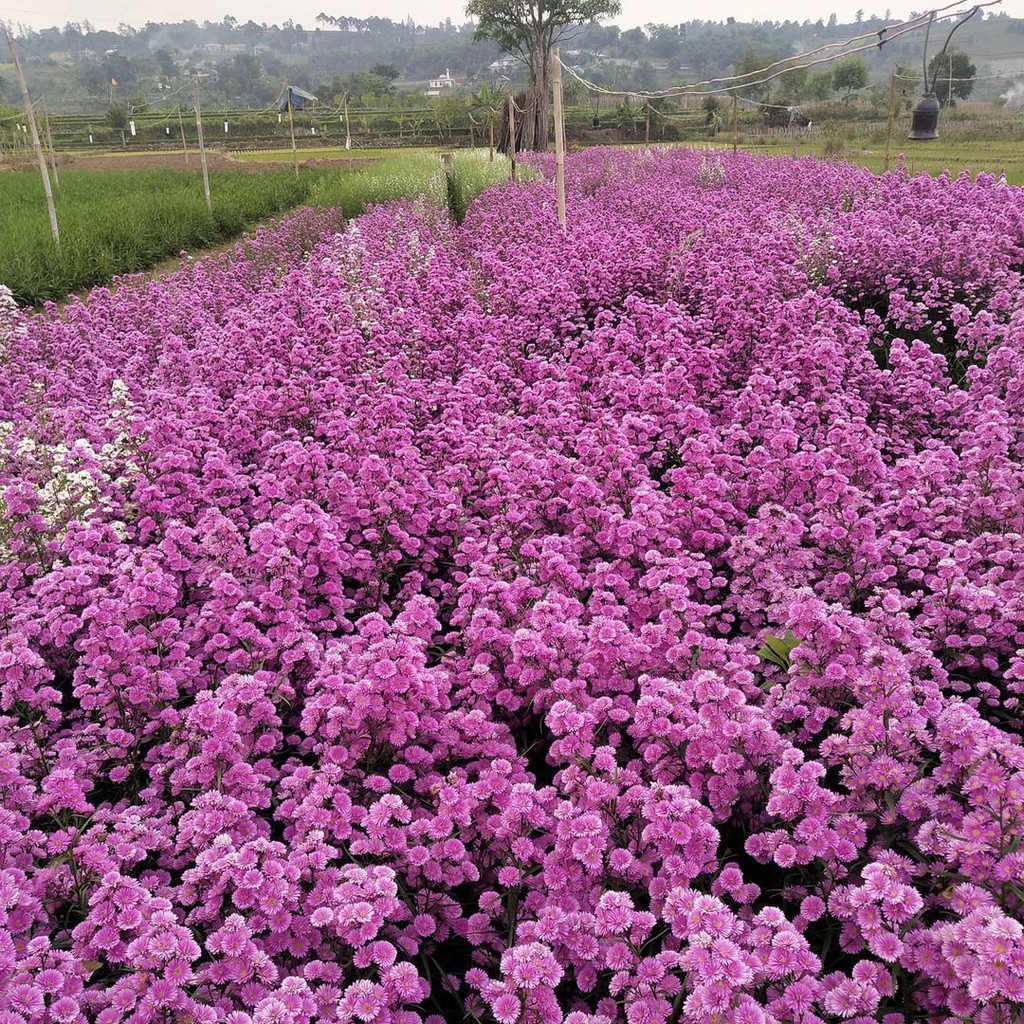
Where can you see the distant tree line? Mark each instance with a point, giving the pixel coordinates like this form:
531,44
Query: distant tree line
373,60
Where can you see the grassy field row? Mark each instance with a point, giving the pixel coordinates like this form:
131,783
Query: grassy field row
129,221
919,157
866,150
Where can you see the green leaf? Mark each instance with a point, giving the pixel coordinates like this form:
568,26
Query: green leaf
778,649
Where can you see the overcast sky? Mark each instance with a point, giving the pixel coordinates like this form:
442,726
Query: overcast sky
111,13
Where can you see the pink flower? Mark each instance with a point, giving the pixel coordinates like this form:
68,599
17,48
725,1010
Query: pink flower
506,1009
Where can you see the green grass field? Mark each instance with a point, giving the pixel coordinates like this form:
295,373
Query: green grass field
127,221
130,220
920,157
123,222
332,153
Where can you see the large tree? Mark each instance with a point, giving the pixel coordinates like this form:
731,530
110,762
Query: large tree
750,72
529,30
850,73
955,65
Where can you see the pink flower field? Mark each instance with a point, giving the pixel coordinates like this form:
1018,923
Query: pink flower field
437,623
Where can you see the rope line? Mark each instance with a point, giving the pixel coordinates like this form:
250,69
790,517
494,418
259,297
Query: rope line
738,81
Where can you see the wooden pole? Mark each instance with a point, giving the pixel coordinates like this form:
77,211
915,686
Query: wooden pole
512,133
291,126
556,88
647,122
735,123
184,145
348,135
892,117
36,144
490,128
202,147
49,146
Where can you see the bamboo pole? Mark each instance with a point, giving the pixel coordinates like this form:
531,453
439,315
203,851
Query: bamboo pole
556,84
512,133
735,123
184,145
36,144
291,128
49,146
647,122
892,117
202,147
348,134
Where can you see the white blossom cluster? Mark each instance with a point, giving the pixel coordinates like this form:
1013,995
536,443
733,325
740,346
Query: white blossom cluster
73,481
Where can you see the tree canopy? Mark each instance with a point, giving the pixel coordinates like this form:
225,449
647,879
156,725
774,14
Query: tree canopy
955,65
529,30
849,74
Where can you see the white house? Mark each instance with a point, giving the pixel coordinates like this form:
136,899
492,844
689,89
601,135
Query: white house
444,81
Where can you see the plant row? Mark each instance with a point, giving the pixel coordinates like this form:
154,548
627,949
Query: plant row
120,223
491,623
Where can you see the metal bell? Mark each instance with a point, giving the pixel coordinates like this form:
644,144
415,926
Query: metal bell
924,122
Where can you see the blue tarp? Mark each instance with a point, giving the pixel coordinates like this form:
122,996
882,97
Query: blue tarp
299,98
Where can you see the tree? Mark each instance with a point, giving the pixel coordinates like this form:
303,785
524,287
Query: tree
117,116
386,71
747,68
165,62
819,86
849,74
529,30
627,118
955,65
489,103
363,88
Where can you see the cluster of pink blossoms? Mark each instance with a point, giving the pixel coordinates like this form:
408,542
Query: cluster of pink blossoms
417,623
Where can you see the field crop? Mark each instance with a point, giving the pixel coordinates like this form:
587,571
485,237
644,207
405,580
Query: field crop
481,623
988,157
123,222
415,173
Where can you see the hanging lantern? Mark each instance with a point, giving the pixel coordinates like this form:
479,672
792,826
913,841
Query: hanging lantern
924,122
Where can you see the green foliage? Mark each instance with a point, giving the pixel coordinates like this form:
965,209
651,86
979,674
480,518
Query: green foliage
749,64
849,74
956,65
470,173
413,175
386,71
529,30
117,116
489,104
627,118
777,650
819,86
399,176
124,222
365,88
